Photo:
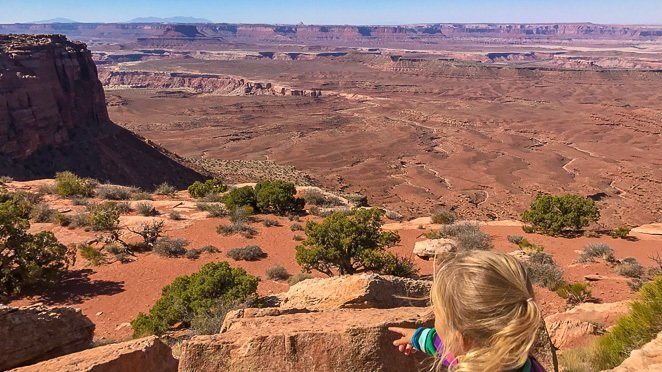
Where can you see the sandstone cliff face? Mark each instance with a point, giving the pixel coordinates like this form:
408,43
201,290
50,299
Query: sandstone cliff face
35,333
53,117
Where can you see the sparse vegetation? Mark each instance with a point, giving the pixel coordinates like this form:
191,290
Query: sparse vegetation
393,215
103,217
213,209
248,253
194,254
443,217
597,250
630,268
211,198
544,271
528,247
165,189
270,223
146,209
141,195
81,219
42,213
199,189
237,228
92,255
150,232
62,219
27,260
398,266
47,189
79,200
209,322
320,199
346,244
113,192
277,272
195,295
296,227
574,293
175,215
298,238
515,239
118,250
357,200
552,215
169,247
468,236
241,197
622,232
123,207
300,277
69,184
6,179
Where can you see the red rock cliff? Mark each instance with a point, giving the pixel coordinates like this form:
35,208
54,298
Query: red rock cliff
53,117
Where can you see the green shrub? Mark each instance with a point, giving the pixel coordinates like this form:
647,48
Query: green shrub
553,215
594,250
62,219
468,236
270,223
529,247
248,253
175,215
146,209
630,267
123,207
239,197
296,227
544,271
189,296
241,214
574,293
199,189
515,239
277,272
165,189
141,195
211,198
300,277
192,254
168,247
113,192
47,188
42,213
443,217
213,209
632,331
69,184
346,244
209,322
528,229
237,228
81,219
278,197
320,199
104,216
398,266
92,255
622,232
27,260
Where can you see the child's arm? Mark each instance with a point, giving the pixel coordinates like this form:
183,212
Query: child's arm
423,339
404,343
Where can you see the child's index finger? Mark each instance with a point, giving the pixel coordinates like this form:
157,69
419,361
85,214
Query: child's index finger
399,330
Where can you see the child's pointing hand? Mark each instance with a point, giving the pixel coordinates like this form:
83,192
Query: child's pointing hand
404,342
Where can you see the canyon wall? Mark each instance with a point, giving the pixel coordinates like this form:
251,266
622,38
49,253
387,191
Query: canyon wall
53,117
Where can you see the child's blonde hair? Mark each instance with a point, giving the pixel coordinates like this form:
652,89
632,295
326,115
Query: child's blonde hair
484,304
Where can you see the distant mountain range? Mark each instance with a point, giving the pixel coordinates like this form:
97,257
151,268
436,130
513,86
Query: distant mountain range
169,20
56,20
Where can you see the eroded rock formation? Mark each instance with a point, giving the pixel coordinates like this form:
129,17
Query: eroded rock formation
35,333
53,117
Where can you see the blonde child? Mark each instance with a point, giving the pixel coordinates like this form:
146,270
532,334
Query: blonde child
484,313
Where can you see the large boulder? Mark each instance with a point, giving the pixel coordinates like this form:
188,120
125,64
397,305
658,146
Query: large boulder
439,248
646,359
357,291
334,340
145,354
34,333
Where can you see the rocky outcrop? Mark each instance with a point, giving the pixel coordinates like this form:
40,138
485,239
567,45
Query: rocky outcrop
335,340
357,291
145,354
646,359
439,248
53,117
35,333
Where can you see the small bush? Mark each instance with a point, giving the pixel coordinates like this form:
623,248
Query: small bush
293,217
192,296
192,254
141,195
92,255
241,214
270,223
199,189
146,209
298,238
553,215
277,272
240,197
468,236
443,217
104,216
69,184
79,200
300,277
43,213
357,200
168,247
595,250
630,267
211,198
175,215
544,271
296,227
591,234
123,207
320,199
528,229
165,189
621,232
515,239
62,219
248,253
208,249
529,247
213,209
209,322
80,219
237,228
150,232
398,266
574,293
113,192
118,251
47,188
6,179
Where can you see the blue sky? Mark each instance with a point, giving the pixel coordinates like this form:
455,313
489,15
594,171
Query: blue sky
340,11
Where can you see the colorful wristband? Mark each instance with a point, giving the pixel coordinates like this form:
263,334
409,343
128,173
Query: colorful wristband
415,338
